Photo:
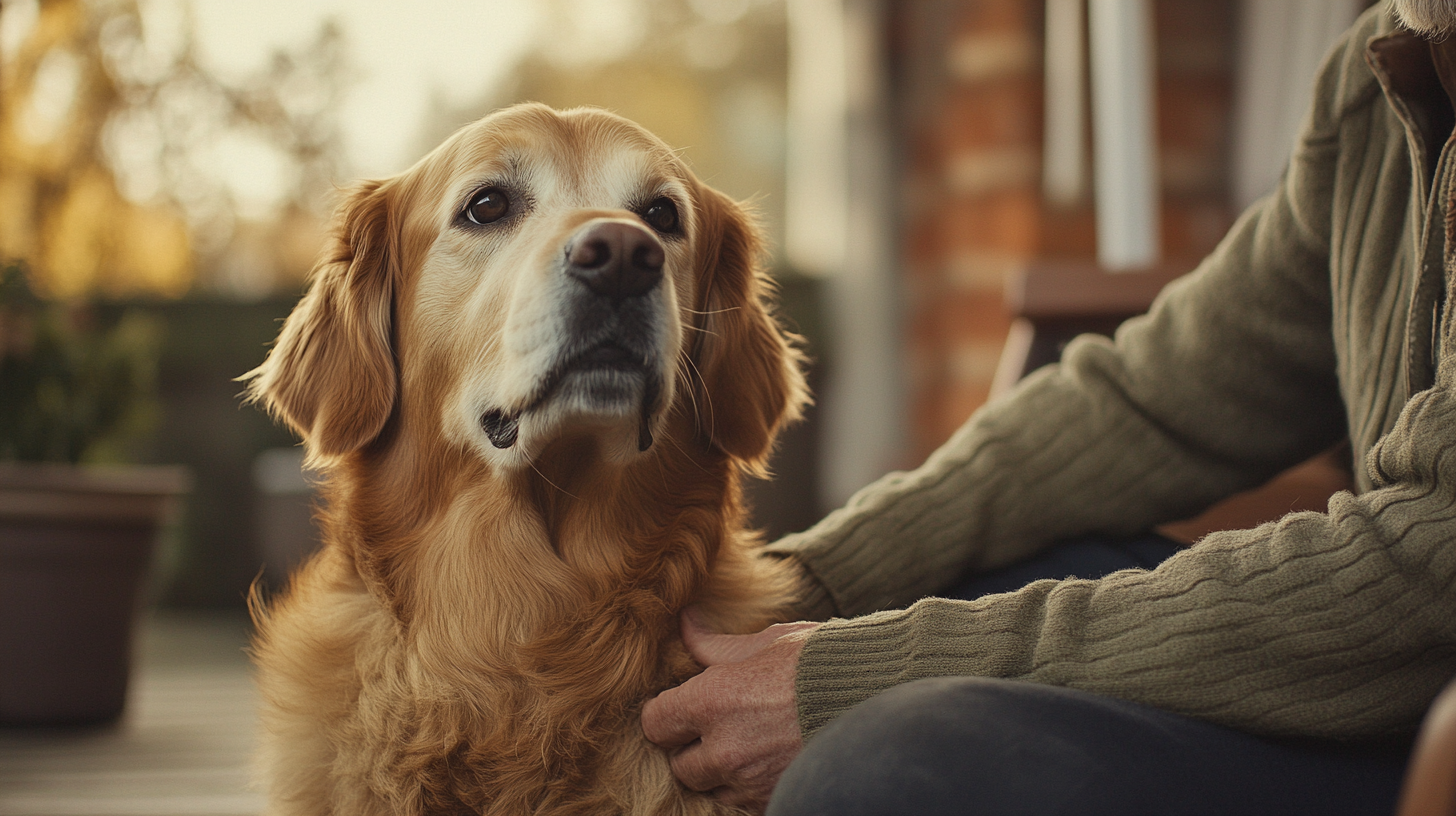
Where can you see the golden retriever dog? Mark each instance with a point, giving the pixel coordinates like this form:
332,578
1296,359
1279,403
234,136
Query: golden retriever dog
533,369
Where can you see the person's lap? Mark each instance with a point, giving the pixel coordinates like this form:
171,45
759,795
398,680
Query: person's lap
976,745
1086,557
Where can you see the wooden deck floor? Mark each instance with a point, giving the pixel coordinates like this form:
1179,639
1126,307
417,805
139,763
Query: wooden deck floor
182,748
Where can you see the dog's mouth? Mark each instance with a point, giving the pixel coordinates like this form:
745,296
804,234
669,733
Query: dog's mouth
607,355
602,378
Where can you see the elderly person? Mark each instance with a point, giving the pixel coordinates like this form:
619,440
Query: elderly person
1280,669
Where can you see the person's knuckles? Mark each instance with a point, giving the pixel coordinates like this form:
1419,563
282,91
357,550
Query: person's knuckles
667,718
717,649
726,689
734,757
692,768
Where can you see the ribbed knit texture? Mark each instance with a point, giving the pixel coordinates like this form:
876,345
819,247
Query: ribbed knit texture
1297,331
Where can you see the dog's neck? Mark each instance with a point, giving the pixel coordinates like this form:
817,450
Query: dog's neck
602,519
543,558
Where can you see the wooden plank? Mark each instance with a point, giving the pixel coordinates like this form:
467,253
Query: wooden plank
1057,290
183,748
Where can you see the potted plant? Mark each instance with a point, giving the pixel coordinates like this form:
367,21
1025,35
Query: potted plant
76,536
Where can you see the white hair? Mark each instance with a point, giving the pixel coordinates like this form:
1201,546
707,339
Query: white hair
1433,18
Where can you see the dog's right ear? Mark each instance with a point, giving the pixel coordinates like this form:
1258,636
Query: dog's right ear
331,375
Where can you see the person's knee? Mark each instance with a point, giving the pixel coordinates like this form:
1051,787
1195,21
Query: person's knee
937,746
913,749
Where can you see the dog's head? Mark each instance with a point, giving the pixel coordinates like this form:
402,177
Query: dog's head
540,274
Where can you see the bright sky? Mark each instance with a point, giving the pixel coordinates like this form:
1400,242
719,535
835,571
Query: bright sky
402,54
404,51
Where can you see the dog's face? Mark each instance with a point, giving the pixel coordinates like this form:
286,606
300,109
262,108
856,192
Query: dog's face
540,275
556,279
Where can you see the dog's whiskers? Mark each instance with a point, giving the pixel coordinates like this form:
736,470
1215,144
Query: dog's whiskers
686,365
683,373
689,370
553,484
686,453
724,310
707,397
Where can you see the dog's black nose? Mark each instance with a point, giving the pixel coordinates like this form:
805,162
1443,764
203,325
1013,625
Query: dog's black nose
615,259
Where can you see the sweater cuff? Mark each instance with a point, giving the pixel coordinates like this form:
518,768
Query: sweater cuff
845,662
848,661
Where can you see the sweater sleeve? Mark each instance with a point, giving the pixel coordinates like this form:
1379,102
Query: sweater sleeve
1339,624
1229,378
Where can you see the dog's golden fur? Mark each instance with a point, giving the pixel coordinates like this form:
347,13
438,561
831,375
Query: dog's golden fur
483,623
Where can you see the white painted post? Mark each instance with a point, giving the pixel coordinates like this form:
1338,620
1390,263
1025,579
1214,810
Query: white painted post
816,195
840,222
1064,165
1281,46
1124,138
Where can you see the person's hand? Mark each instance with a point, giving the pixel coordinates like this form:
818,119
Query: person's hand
736,725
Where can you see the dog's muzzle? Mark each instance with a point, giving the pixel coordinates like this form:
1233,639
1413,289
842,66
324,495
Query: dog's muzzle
612,328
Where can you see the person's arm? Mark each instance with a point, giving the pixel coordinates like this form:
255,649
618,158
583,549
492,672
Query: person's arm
1338,624
1098,443
1229,379
1335,624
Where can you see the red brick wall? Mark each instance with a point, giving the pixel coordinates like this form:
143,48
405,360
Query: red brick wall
1196,52
967,90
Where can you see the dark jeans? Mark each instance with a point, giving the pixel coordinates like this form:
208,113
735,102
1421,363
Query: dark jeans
970,745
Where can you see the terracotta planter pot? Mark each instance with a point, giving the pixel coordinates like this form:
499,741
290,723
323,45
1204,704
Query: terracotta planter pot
75,546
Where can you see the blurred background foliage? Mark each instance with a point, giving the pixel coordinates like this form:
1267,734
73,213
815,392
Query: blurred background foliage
707,76
109,136
73,388
162,199
121,146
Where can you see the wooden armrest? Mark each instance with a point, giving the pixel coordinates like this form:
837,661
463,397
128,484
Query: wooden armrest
1053,301
1065,290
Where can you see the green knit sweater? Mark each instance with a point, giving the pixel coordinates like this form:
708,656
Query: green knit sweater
1315,319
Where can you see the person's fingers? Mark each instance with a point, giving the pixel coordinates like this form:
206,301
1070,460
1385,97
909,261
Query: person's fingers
753,798
729,769
673,717
694,768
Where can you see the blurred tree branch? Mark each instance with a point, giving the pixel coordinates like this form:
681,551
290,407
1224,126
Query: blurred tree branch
112,149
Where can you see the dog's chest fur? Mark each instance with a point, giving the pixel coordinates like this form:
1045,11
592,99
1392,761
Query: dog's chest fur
512,682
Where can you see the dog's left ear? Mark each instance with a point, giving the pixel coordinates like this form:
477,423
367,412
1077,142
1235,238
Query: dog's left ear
752,371
331,375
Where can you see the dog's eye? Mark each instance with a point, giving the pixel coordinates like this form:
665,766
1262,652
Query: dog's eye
661,215
490,204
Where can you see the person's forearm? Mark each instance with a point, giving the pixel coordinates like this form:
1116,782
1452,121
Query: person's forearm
1324,625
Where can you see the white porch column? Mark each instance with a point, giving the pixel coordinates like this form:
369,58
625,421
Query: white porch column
1281,45
1125,146
1064,160
840,228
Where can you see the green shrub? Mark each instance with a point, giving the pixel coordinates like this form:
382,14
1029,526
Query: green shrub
73,387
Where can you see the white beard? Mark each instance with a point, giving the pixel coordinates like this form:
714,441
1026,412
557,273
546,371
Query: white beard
1433,18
